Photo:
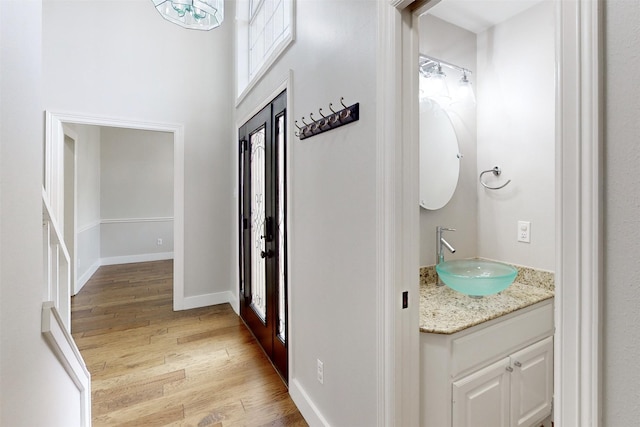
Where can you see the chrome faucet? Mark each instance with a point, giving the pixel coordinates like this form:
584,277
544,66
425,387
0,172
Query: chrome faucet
441,243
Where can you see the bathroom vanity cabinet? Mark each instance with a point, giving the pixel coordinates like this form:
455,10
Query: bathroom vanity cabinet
498,373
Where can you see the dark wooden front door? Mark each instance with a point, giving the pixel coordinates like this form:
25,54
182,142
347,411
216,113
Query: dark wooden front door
263,286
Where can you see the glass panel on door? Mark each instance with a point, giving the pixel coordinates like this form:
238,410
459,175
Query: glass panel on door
258,222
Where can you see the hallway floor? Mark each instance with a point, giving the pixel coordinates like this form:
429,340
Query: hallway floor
151,366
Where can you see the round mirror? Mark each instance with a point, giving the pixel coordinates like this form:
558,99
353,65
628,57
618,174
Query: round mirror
439,156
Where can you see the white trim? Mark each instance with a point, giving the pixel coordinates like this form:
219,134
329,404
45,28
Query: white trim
82,280
273,58
307,408
66,351
579,243
73,255
134,220
400,4
88,227
235,302
205,300
397,244
129,259
54,122
285,85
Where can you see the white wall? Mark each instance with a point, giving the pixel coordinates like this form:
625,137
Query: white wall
622,227
456,45
122,59
332,186
136,194
33,384
516,116
88,202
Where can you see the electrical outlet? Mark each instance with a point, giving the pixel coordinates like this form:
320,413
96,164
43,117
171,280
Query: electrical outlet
159,241
524,231
320,372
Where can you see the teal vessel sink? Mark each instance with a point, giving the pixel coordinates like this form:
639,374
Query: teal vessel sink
476,277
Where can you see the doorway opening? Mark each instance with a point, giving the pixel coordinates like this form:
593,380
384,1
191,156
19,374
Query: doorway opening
262,234
578,201
57,132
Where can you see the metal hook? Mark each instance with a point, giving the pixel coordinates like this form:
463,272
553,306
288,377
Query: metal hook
311,116
342,99
299,128
305,123
330,108
496,171
320,111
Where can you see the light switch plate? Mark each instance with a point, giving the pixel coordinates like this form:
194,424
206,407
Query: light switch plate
524,231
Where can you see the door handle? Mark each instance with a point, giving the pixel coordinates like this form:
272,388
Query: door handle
268,230
267,254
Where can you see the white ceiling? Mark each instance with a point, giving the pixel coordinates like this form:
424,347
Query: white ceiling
478,15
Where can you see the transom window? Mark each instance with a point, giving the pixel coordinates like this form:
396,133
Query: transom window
264,30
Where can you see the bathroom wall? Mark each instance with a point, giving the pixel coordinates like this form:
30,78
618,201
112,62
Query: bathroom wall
516,131
513,127
456,45
136,195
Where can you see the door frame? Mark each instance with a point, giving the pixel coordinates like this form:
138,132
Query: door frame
579,213
71,249
284,85
54,144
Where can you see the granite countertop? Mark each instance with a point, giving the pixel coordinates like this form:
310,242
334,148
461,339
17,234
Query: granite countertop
445,311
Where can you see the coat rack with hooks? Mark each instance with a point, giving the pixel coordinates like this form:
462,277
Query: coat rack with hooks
334,120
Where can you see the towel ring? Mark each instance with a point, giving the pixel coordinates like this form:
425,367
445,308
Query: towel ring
496,171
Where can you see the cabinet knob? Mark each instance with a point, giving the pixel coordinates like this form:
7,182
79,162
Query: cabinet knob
518,364
509,369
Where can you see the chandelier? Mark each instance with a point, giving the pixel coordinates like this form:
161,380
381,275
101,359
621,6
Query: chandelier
194,14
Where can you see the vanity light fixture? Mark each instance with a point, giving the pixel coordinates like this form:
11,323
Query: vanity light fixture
465,90
193,14
433,81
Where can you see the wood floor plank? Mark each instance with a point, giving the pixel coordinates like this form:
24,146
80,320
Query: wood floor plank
152,366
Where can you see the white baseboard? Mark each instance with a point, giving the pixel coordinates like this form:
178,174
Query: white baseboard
205,300
305,405
128,259
235,303
82,280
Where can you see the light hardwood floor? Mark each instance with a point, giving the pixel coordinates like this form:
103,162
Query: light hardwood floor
151,366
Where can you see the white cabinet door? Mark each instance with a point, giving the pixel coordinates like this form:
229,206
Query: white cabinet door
532,383
482,398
